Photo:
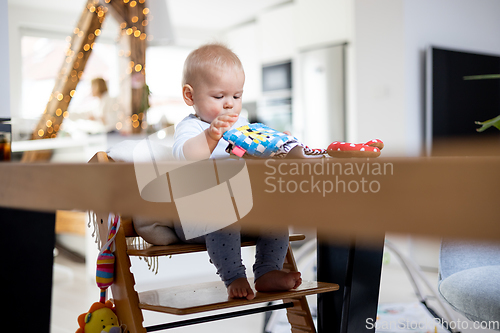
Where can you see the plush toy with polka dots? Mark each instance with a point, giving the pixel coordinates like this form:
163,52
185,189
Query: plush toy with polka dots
371,148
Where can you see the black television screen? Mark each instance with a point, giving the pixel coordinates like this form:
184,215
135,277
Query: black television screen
458,101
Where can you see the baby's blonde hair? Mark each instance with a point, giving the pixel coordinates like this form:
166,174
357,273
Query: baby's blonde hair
207,57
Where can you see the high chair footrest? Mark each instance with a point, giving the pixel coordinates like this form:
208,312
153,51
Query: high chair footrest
180,248
210,296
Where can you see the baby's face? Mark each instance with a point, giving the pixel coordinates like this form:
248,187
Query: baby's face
218,93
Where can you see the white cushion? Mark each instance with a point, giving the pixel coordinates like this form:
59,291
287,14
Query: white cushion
153,230
124,152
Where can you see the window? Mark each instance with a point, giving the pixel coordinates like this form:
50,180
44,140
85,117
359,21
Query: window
42,59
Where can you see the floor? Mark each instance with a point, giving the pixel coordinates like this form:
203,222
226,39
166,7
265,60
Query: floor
73,293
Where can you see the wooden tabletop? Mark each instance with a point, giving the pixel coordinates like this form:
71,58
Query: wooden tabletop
441,196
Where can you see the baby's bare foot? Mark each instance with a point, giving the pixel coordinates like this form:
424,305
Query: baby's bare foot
278,281
240,288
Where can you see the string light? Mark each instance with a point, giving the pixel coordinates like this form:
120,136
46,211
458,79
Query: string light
51,125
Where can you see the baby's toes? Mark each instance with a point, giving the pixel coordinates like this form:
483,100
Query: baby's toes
250,295
297,283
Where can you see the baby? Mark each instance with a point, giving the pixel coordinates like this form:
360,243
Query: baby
212,84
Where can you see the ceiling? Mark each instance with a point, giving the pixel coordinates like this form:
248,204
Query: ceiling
203,15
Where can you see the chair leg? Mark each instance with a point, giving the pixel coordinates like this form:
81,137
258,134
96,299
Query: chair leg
299,316
125,297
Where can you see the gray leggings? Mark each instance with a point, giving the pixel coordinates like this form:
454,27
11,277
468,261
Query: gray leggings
224,250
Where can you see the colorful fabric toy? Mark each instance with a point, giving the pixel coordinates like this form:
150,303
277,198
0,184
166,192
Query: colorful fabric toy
259,140
106,262
101,317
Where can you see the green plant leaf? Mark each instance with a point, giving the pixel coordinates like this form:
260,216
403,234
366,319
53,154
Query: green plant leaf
488,123
482,77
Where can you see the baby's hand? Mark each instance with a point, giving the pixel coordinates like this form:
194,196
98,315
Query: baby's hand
221,124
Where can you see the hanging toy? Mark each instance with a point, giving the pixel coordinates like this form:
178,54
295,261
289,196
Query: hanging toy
101,316
259,140
106,262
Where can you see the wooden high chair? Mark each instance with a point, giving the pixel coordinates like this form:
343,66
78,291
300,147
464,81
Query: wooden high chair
203,297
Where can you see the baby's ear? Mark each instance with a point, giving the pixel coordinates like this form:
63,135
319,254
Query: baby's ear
187,94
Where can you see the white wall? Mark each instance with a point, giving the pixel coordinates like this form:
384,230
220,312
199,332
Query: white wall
322,22
4,60
275,31
244,42
378,58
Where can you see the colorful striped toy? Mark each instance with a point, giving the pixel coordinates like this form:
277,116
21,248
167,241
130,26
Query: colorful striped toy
106,261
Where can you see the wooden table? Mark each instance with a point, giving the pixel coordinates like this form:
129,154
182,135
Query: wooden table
423,196
448,196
